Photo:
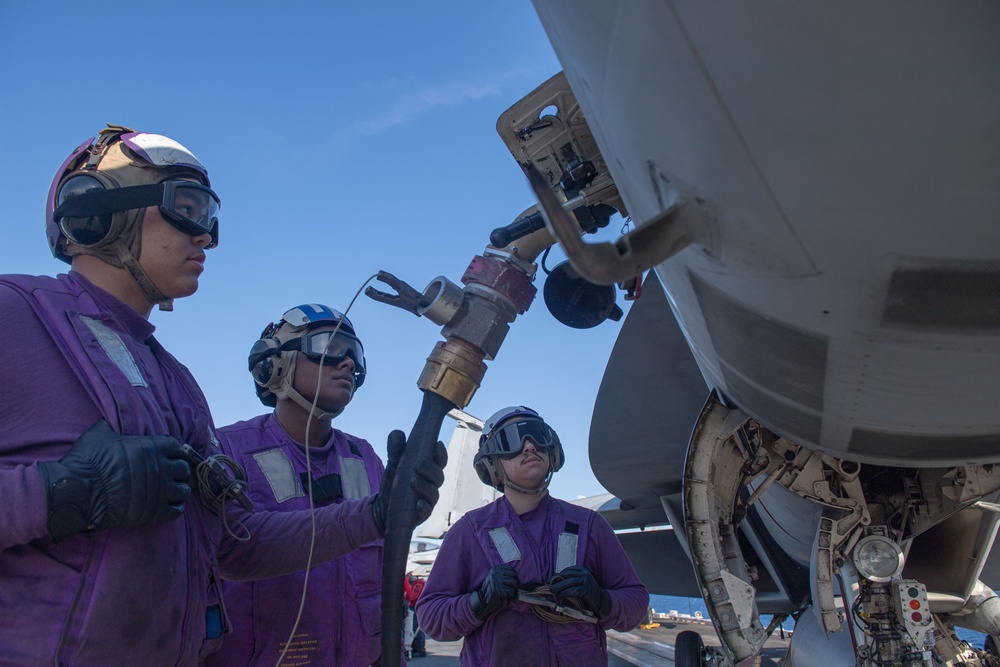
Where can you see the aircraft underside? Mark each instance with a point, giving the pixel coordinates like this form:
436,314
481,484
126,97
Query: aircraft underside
891,556
788,169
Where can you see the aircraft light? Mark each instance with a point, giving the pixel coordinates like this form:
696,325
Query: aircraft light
878,558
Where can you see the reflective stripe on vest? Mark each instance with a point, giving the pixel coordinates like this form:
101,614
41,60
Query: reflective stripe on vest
505,545
280,474
566,551
354,479
115,348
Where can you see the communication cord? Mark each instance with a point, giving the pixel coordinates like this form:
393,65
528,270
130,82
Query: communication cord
309,493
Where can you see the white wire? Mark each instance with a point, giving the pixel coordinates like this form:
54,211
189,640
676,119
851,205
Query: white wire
312,509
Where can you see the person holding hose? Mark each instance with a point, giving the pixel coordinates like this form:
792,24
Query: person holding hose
307,366
123,514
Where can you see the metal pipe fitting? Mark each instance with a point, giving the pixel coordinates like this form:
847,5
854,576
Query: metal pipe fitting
453,370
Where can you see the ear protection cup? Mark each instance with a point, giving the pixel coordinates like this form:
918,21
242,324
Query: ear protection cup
260,359
261,363
262,371
558,457
488,473
83,231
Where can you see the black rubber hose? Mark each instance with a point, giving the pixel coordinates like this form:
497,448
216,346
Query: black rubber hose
402,520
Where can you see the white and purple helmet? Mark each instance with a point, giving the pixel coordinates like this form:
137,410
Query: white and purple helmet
99,191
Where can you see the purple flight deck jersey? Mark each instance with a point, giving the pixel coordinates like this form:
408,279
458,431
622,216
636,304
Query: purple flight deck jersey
341,621
496,534
138,595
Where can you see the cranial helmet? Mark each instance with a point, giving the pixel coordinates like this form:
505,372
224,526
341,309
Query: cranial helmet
272,358
503,437
97,198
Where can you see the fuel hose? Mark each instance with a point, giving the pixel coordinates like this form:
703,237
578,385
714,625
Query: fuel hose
402,520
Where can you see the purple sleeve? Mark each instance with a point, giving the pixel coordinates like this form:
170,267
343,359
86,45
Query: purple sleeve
43,410
279,542
24,519
607,561
443,607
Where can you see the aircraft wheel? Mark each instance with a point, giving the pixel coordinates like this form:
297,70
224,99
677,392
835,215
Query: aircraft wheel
689,650
991,645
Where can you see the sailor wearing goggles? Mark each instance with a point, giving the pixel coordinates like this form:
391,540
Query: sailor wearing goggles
114,546
109,194
529,579
307,367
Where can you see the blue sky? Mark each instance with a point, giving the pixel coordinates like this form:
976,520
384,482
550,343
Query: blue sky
343,138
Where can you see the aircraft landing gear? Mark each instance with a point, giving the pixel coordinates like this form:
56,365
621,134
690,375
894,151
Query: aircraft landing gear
689,650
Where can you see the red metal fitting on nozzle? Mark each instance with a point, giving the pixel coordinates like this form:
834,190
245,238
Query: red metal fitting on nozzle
500,276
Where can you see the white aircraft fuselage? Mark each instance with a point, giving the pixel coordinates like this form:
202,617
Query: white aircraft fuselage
835,296
847,294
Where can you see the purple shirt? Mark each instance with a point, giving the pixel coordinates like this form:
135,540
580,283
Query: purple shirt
516,635
341,621
148,594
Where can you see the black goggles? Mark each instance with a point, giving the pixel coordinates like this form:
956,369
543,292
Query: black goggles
190,207
508,441
329,348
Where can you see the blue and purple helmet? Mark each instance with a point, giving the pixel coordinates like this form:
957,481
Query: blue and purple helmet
272,357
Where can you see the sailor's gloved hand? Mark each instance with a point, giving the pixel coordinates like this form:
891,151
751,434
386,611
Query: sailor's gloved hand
427,479
108,480
578,582
499,589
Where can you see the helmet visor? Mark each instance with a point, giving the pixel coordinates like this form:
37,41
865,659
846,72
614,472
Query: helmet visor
330,348
508,441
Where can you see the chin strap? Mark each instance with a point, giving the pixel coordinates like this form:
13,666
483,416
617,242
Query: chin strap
286,390
308,406
146,286
537,492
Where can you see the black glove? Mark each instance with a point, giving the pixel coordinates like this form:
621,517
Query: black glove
427,479
108,480
499,588
578,582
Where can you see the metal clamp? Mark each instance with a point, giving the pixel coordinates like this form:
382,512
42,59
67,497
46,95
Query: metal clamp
407,297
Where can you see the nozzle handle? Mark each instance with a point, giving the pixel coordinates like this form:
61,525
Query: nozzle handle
504,236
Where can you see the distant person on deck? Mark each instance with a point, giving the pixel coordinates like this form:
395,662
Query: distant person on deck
528,543
412,588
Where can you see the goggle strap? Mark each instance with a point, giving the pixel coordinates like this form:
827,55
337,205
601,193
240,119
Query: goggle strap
291,344
102,202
